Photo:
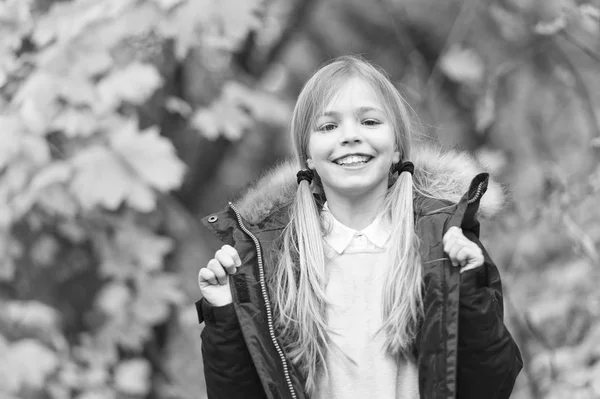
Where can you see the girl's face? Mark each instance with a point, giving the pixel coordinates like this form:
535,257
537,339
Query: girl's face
352,145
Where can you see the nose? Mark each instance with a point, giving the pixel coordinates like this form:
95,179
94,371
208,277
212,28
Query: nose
350,134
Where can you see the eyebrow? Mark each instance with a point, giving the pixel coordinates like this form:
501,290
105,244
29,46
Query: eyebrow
360,110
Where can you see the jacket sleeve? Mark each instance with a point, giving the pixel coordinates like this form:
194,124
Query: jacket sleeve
488,357
228,368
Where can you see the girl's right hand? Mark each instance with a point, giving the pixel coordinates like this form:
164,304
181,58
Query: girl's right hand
214,278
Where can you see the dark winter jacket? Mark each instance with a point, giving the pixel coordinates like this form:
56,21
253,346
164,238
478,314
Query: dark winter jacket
463,348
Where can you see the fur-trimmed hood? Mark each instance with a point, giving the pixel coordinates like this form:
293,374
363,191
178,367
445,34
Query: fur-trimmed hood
445,174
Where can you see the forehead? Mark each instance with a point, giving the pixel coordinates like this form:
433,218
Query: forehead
353,93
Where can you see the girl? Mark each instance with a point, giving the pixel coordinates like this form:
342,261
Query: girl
361,275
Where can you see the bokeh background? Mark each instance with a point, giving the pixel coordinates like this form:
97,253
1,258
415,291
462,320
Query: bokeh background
123,122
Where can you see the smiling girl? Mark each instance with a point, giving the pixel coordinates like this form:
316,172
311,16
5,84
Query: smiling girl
361,275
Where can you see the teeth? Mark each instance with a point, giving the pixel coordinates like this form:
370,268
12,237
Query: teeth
353,159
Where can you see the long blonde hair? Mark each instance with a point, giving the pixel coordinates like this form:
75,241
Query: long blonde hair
298,282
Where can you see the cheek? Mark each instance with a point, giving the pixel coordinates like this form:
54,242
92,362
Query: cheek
318,161
317,149
314,154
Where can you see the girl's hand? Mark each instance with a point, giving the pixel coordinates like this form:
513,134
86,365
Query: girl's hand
461,250
214,278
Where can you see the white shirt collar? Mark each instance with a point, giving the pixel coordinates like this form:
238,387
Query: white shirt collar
340,236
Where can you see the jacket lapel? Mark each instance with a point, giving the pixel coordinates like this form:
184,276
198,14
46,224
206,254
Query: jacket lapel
251,300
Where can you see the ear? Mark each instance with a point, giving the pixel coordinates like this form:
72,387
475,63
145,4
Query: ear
396,157
310,163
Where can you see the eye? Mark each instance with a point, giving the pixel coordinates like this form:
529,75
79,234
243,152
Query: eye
326,127
371,122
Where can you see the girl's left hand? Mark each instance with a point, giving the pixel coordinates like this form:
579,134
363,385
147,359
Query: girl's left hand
461,250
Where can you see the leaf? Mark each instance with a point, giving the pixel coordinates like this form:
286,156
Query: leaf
37,103
115,263
56,200
142,247
583,241
168,4
223,24
204,121
40,84
68,375
3,78
77,91
92,63
10,131
16,17
94,351
178,106
138,19
590,11
131,250
512,26
31,318
31,362
235,19
485,111
141,198
103,179
98,394
552,27
69,59
463,65
44,250
156,294
223,117
14,182
75,122
261,106
56,390
113,298
133,84
10,381
35,117
151,156
125,330
54,173
72,230
47,190
7,268
95,376
35,150
184,25
10,249
132,377
100,178
68,20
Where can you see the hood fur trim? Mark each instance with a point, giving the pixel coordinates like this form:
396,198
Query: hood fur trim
445,175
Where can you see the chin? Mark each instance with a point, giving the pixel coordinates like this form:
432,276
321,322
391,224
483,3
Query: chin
352,186
358,189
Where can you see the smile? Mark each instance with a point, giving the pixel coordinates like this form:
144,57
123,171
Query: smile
353,160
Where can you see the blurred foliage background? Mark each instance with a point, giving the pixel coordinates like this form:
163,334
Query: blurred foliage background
122,122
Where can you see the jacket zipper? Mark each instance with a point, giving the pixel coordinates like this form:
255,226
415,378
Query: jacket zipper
477,194
263,288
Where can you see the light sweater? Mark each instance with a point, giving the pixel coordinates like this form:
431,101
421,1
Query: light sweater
359,366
